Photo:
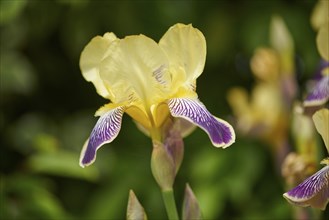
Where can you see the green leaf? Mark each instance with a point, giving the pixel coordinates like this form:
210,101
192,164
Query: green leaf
28,197
61,163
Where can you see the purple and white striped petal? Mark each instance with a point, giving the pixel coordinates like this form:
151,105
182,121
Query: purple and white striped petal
314,191
220,132
105,131
320,94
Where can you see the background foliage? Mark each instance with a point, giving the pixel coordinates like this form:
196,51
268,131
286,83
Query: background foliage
47,109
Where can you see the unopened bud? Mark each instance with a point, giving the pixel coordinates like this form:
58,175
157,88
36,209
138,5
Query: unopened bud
191,209
135,210
163,166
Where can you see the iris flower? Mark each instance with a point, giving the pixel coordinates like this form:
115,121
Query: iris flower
149,81
320,94
314,191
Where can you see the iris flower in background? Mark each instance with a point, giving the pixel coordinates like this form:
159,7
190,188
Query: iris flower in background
314,191
319,94
265,112
302,162
152,82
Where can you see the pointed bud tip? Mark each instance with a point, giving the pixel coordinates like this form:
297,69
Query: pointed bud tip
134,209
191,208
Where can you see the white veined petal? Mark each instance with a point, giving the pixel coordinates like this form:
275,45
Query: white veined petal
314,191
105,131
219,131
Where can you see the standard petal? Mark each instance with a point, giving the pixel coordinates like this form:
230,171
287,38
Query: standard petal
322,40
314,191
320,94
136,70
220,132
105,131
185,47
321,122
90,60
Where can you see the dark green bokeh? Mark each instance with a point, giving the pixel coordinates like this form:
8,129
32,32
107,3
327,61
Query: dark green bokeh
47,110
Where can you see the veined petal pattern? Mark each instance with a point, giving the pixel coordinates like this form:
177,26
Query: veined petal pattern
220,132
314,191
105,131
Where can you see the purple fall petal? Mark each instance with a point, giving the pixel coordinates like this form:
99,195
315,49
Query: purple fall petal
220,132
314,191
105,131
320,94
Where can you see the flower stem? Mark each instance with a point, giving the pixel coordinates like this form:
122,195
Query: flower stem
169,200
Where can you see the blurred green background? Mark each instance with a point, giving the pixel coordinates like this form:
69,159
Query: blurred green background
47,110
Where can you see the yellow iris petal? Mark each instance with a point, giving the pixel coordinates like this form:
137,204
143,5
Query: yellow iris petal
320,14
321,121
140,116
160,113
185,47
91,58
282,41
136,70
322,41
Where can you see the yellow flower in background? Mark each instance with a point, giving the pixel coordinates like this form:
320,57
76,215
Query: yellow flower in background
322,41
319,94
151,82
255,115
264,112
320,14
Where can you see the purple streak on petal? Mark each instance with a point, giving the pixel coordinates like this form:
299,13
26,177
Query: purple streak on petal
220,132
158,74
320,93
316,186
105,131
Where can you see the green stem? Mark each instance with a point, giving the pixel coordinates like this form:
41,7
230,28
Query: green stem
169,200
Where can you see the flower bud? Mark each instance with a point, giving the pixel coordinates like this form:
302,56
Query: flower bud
163,166
134,209
191,209
167,156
